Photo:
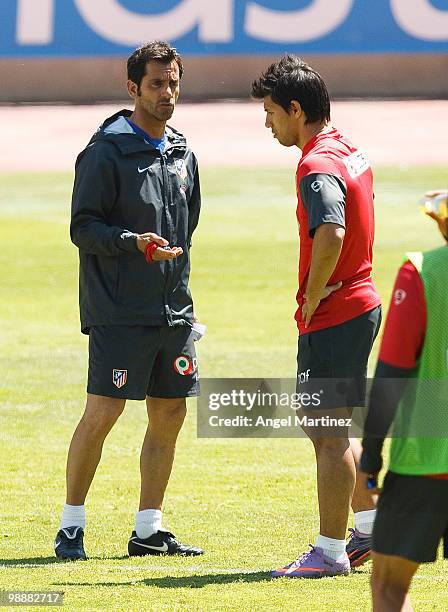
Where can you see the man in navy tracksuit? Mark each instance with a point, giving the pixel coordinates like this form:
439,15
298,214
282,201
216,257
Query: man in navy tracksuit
136,203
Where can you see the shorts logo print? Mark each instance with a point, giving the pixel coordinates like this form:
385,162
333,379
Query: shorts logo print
183,365
119,378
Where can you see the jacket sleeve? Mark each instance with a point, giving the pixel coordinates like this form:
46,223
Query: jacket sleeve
94,196
194,203
388,388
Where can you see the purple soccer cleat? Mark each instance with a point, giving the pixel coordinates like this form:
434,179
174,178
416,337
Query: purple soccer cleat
313,564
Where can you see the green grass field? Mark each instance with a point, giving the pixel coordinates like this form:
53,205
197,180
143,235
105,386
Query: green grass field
250,503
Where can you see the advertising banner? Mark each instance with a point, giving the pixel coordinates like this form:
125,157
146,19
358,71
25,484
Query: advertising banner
94,28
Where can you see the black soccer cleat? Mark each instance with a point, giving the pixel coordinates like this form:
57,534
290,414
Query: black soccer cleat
69,544
160,543
358,548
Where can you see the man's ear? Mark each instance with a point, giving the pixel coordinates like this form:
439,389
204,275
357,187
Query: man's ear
132,89
296,109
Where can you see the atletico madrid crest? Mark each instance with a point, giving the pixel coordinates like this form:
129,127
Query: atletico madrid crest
119,377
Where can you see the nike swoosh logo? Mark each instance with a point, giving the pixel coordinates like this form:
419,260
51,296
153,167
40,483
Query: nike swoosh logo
163,548
143,169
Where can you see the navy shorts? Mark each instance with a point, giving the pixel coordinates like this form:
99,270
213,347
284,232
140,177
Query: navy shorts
412,518
337,357
138,361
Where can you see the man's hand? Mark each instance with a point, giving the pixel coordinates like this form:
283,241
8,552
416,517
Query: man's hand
369,482
311,303
144,239
442,222
162,253
436,192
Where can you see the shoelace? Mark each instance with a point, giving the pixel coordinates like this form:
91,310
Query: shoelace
171,537
354,534
304,556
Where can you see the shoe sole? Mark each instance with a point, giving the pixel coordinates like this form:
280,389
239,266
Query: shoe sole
309,576
71,558
157,553
360,560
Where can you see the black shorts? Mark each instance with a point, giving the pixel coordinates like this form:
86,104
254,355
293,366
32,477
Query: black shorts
412,518
338,357
133,362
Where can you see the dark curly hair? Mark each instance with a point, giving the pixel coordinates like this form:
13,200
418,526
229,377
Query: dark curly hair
292,79
159,52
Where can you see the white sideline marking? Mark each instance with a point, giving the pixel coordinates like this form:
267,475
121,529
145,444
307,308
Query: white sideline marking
202,571
139,568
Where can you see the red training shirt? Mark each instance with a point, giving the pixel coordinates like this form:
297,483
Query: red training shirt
335,177
404,332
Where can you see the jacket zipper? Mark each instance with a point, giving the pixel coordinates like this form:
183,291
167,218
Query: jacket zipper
169,224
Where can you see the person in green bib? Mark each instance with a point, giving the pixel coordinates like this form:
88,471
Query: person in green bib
410,392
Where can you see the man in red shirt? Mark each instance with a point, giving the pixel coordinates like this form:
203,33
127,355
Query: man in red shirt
339,310
413,508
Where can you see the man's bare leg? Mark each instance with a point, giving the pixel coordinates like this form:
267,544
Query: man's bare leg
363,499
364,508
336,475
166,417
390,582
100,415
84,454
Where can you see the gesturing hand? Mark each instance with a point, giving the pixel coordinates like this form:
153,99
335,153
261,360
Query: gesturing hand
162,254
159,254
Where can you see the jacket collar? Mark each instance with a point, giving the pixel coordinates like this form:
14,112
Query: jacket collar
118,130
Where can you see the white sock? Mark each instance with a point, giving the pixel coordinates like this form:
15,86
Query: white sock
73,516
335,549
148,522
364,521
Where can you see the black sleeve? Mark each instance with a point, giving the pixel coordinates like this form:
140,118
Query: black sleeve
388,388
194,204
323,196
94,195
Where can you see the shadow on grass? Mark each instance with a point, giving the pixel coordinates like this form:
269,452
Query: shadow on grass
362,570
196,581
30,561
51,560
201,580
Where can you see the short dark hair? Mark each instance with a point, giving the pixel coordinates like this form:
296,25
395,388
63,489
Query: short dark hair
156,50
292,79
